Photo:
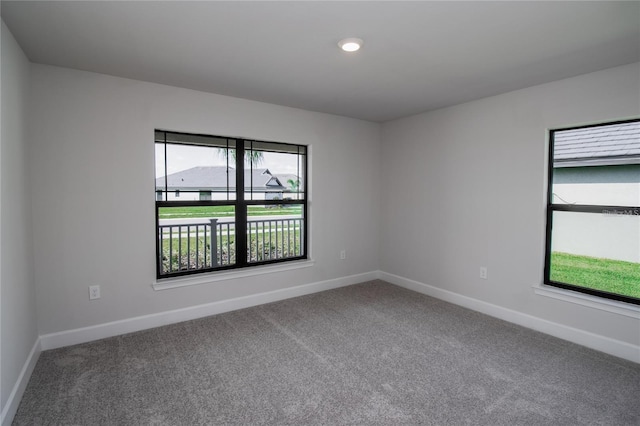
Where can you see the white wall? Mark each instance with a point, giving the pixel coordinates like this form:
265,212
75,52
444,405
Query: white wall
473,182
93,134
611,236
600,185
18,332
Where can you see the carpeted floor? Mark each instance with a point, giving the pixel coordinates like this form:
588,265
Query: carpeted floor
367,354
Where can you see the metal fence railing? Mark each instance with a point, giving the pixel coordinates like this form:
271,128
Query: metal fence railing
274,239
187,247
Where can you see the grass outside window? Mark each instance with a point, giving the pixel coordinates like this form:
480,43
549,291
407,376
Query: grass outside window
611,276
225,211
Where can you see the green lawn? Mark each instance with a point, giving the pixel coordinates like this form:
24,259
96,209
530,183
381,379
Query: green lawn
613,276
225,211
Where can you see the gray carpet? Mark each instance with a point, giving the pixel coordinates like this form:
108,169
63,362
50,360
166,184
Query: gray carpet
367,354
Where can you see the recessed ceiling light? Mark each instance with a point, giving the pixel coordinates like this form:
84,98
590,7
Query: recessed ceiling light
350,44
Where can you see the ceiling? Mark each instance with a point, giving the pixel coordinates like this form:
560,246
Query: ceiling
417,56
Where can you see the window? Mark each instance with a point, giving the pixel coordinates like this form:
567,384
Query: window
593,210
225,203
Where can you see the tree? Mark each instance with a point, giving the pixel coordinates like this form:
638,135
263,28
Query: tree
294,184
254,158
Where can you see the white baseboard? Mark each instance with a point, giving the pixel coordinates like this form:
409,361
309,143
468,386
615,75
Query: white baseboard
115,328
13,401
591,340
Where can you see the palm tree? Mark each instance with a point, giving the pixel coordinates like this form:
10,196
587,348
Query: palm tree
254,158
294,184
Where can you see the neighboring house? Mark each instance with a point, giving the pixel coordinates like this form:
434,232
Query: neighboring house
214,182
598,166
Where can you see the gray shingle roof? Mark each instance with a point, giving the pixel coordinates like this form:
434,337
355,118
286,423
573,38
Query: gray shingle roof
197,178
604,144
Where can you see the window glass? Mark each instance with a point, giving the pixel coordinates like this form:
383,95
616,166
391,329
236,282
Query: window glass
193,238
274,171
275,232
195,169
597,185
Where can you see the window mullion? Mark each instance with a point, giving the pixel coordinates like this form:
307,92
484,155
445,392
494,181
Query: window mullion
598,209
241,208
305,216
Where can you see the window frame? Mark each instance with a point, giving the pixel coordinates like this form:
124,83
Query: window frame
577,208
239,203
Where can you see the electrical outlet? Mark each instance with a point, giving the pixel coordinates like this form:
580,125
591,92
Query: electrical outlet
343,254
483,272
94,292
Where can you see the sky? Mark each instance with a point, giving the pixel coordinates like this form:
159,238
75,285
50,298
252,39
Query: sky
183,157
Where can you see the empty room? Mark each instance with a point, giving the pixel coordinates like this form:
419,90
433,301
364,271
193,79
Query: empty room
305,213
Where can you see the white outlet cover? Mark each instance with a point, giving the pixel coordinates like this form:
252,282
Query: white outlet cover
94,292
483,272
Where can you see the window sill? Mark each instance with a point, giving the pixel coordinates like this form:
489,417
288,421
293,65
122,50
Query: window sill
207,278
613,306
